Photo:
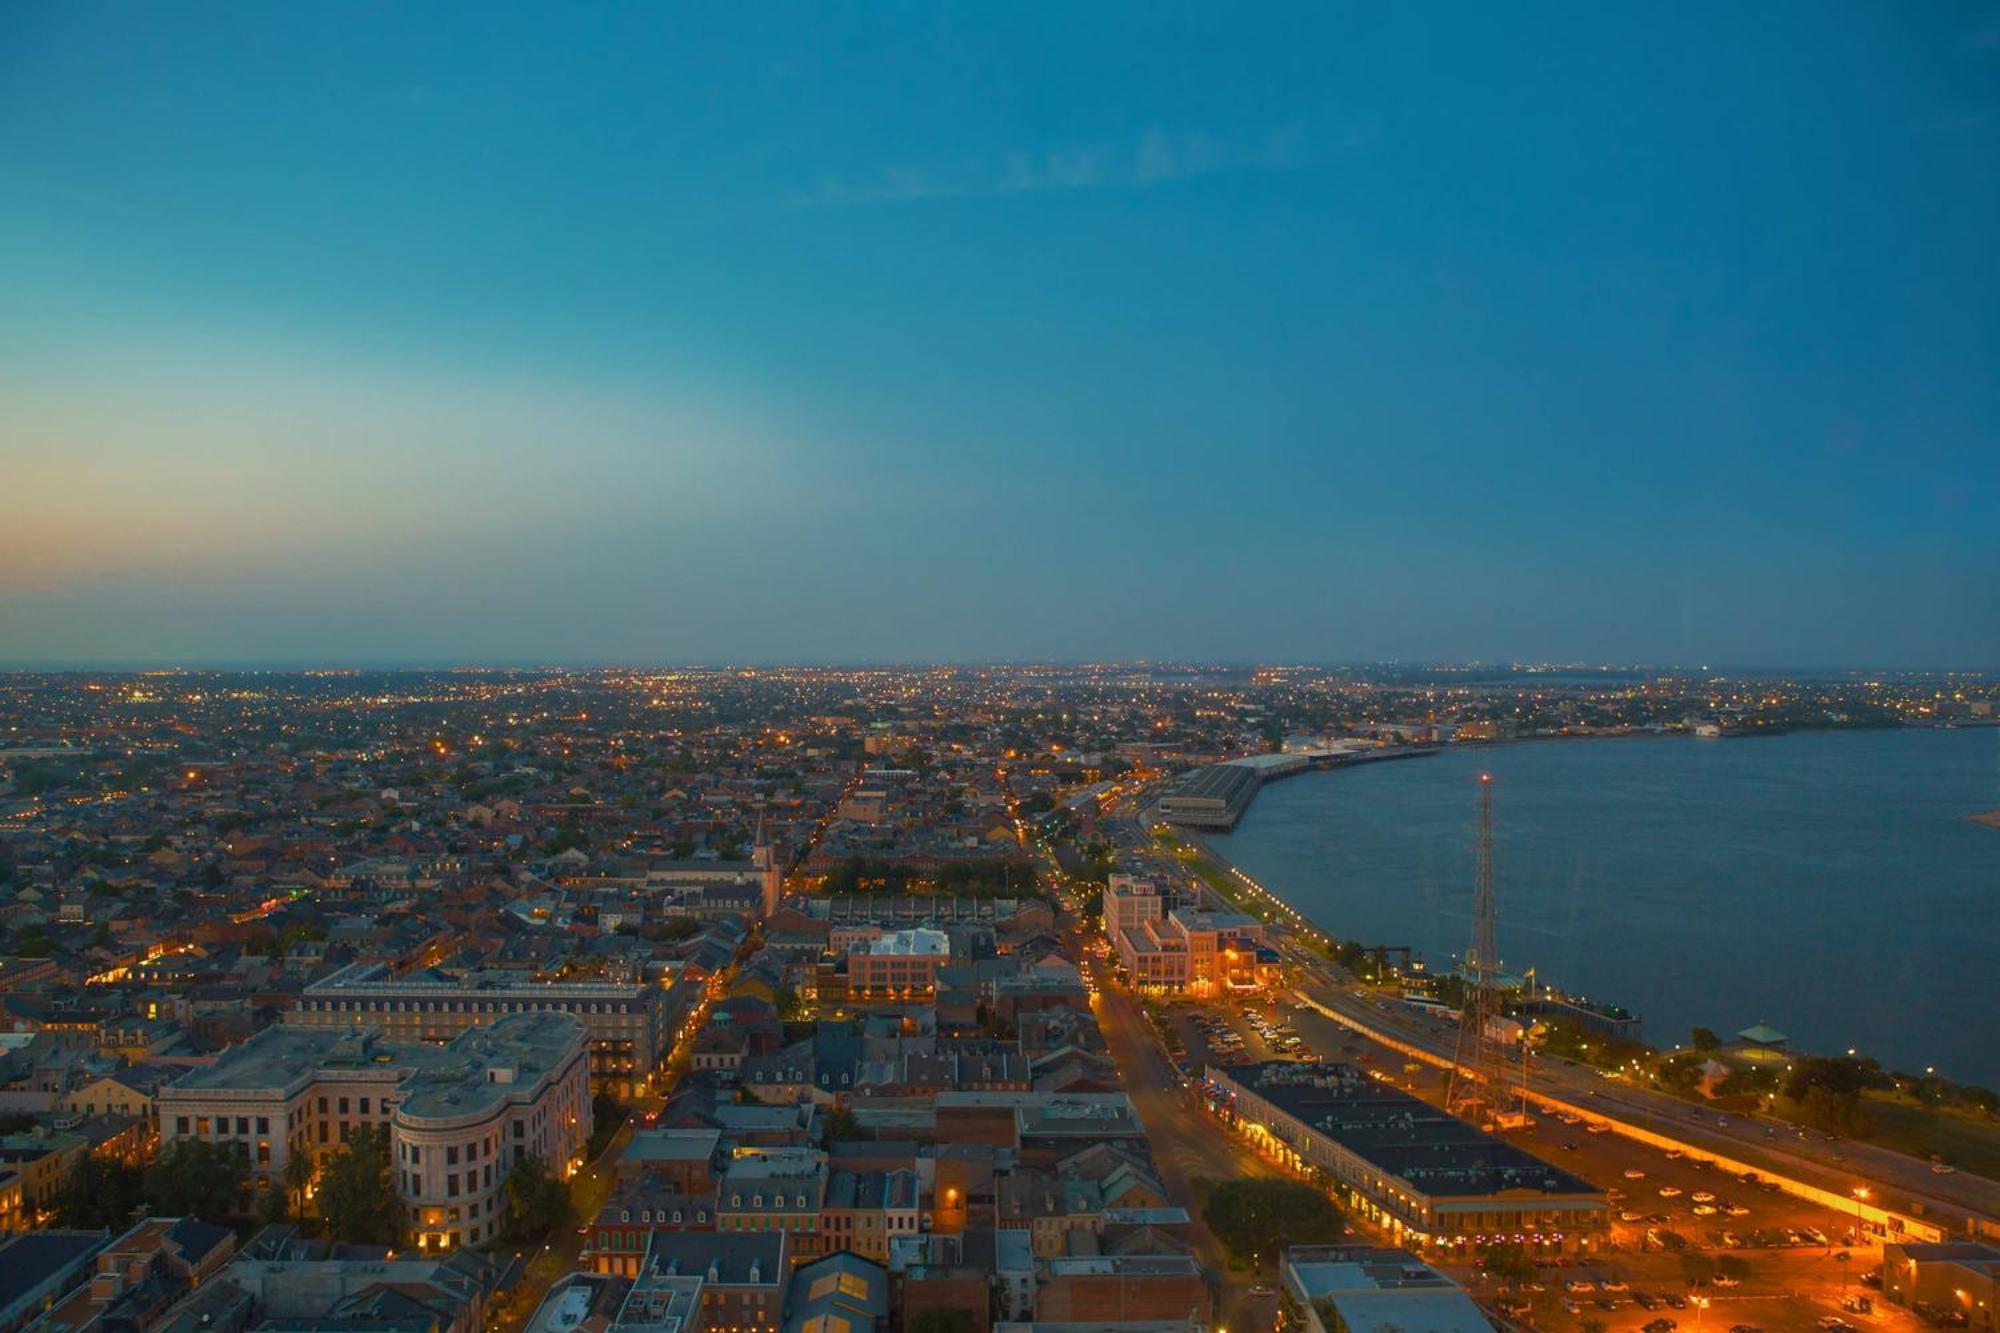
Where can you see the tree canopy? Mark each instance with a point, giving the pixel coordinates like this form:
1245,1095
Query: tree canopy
537,1203
96,1194
1251,1216
195,1178
357,1191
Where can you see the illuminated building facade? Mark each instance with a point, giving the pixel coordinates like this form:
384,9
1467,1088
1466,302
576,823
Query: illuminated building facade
1202,953
1434,1182
902,962
458,1116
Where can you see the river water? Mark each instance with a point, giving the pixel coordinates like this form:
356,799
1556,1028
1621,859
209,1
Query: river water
1827,882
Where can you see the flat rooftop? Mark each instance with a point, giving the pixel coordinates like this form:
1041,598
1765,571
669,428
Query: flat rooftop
1440,1155
1226,921
1217,782
673,1145
480,1066
919,941
376,979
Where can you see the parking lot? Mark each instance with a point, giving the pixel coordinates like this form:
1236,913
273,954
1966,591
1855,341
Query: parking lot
1691,1246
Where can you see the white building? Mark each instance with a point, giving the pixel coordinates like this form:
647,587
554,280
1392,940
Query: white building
459,1116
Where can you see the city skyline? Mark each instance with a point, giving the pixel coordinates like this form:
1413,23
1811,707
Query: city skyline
347,339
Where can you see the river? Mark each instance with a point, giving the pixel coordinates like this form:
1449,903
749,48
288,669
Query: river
1828,882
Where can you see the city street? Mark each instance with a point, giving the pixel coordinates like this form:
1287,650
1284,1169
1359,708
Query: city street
1188,1144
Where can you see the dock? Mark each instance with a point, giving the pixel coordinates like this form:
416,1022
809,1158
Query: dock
1216,795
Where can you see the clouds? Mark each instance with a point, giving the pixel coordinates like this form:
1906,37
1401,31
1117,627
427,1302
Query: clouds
1157,156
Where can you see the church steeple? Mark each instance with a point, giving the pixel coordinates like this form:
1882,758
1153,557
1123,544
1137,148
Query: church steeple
765,858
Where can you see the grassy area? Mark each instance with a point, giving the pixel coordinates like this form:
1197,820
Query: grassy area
1970,1145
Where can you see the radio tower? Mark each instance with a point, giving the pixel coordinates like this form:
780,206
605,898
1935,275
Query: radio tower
1478,1089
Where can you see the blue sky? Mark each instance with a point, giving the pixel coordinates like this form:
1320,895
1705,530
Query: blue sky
345,333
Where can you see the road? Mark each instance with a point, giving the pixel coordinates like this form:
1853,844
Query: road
1188,1144
1896,1180
589,1190
1773,1145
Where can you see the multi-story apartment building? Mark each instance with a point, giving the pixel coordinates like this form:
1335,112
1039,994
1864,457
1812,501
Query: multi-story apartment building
1202,953
630,1026
780,1189
1131,900
901,962
458,1116
866,1210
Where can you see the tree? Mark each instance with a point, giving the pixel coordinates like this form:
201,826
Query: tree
273,1207
841,1125
357,1192
195,1178
1706,1040
607,1117
1507,1261
1249,1217
1843,1076
537,1203
1834,1112
1592,1324
299,1174
96,1194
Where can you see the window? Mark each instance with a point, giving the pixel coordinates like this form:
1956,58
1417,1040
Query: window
263,1124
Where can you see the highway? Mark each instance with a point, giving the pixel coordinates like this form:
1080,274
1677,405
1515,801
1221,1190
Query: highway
1897,1181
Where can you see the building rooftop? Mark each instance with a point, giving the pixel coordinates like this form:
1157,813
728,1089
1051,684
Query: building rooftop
480,1066
919,940
1434,1153
30,1260
673,1145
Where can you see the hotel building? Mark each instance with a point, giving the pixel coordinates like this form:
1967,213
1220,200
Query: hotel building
1166,948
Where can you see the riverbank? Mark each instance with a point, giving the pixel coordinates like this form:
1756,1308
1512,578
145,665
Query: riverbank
1703,884
1897,1120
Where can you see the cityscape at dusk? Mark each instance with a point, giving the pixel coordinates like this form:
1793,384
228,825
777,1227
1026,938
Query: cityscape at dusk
1015,669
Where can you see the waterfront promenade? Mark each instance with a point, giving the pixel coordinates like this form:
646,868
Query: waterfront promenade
1815,1163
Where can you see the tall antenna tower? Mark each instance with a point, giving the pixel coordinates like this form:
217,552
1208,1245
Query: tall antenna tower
1478,1089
